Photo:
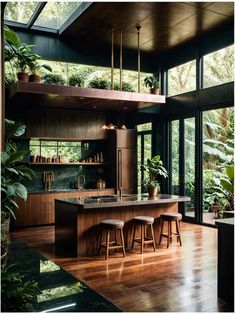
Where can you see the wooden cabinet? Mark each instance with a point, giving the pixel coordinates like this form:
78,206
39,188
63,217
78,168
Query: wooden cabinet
123,156
39,208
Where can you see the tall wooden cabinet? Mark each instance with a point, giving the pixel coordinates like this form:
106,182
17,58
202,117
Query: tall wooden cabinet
123,157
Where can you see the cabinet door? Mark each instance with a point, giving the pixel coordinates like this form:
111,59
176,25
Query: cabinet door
127,169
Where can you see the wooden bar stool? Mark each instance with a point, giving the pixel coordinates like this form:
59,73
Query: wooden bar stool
170,217
107,226
143,222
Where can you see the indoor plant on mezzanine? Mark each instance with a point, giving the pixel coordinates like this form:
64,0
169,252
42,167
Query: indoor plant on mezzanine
154,168
153,83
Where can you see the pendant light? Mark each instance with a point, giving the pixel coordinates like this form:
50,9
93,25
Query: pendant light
138,59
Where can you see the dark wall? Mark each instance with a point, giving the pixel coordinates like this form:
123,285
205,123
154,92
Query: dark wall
53,48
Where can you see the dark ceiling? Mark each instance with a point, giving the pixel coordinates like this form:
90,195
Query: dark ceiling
164,25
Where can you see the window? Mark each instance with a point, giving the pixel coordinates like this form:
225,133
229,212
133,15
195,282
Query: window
218,152
144,147
19,11
218,67
182,79
69,151
54,14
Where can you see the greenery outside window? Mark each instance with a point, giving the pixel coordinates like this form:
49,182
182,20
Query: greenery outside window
182,78
218,67
144,150
70,151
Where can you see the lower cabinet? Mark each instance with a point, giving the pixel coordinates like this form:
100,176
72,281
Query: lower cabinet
39,208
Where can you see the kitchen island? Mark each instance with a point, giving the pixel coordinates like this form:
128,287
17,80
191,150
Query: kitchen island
77,219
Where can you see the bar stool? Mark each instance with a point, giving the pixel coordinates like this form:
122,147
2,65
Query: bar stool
143,222
170,217
107,226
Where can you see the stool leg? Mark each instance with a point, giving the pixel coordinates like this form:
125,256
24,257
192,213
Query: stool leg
178,231
168,237
100,247
133,239
107,244
123,244
154,245
160,239
142,239
170,232
115,237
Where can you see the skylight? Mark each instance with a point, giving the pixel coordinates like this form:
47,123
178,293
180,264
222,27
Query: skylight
40,15
54,14
20,12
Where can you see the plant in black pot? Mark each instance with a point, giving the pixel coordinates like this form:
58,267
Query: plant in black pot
35,68
12,175
53,79
76,80
153,83
153,168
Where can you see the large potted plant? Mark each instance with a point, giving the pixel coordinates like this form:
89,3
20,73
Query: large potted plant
153,83
153,168
12,174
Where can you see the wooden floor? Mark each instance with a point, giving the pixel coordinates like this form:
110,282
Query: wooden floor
178,279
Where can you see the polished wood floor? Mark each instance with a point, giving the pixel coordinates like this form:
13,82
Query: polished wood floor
178,279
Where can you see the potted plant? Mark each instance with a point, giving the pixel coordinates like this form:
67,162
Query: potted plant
76,80
12,174
126,87
154,168
35,68
99,83
152,82
53,79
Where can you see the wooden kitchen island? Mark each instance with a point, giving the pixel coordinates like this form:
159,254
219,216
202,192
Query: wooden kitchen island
77,219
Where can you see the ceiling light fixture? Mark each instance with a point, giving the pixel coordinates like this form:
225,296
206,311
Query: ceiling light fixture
138,27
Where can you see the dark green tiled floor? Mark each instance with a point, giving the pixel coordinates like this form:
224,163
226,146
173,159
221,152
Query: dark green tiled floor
60,291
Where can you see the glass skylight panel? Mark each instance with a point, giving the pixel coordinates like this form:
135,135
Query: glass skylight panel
54,14
20,12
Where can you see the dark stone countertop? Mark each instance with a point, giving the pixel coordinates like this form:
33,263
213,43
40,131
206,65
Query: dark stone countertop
125,200
66,191
60,291
226,222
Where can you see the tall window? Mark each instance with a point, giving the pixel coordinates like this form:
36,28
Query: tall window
182,79
218,152
218,67
144,149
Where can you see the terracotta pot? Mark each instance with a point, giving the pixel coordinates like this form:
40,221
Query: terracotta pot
155,91
152,191
34,78
23,76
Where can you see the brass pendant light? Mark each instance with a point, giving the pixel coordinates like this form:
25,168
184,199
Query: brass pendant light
138,61
112,58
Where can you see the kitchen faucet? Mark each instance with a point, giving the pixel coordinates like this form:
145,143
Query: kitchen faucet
79,181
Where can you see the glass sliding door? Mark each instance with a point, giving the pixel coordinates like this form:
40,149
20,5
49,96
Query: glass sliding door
175,157
218,150
144,150
189,165
182,159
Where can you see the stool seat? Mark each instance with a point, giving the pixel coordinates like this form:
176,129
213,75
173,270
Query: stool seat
114,226
143,220
112,223
171,216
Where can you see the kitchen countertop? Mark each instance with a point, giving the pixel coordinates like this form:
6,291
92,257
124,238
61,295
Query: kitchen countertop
66,191
125,200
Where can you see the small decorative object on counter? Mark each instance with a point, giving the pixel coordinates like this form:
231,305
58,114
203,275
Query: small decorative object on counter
101,157
101,184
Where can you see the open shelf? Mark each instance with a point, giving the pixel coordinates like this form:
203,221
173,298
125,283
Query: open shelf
47,95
